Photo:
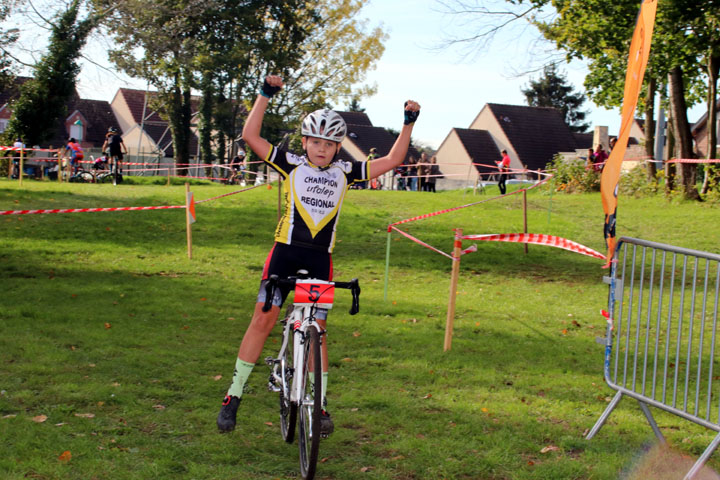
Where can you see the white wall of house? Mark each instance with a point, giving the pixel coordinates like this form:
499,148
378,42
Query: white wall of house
486,121
455,164
122,112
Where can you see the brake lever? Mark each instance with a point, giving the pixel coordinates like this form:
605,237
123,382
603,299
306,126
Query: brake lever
355,289
269,292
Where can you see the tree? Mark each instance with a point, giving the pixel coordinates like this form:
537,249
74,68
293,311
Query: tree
7,38
43,99
553,90
354,106
599,32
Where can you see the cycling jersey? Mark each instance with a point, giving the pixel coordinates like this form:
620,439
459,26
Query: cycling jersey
313,197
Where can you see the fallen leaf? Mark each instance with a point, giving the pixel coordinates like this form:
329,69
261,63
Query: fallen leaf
39,418
115,384
356,334
65,456
549,448
429,395
564,332
60,424
484,410
324,460
203,299
159,407
217,377
85,415
107,325
354,409
269,424
347,359
186,327
365,469
10,416
100,404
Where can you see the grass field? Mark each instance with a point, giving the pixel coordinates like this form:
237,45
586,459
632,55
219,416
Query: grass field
116,350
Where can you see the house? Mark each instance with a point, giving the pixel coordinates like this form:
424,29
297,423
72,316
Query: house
700,133
362,136
87,120
532,136
145,133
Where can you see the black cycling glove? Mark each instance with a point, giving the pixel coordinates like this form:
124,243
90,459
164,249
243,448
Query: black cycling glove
268,90
410,116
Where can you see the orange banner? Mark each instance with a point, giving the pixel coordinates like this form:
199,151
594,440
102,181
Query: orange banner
637,62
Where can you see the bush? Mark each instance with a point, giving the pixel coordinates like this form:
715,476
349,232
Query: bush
634,182
571,176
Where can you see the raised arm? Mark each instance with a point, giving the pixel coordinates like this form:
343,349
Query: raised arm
253,124
400,147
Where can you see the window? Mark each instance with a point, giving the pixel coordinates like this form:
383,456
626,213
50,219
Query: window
3,125
76,131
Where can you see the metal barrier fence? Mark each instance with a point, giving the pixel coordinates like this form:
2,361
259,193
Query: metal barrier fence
660,346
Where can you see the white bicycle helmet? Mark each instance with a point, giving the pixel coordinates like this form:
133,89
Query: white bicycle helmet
325,124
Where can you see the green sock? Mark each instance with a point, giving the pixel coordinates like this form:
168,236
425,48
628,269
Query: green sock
323,386
240,376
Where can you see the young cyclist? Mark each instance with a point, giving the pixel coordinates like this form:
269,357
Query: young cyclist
76,154
315,186
114,141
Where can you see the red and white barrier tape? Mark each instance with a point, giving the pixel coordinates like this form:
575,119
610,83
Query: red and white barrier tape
86,210
448,210
420,242
538,239
693,160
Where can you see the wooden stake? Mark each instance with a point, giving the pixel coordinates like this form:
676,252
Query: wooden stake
457,252
187,219
22,161
525,217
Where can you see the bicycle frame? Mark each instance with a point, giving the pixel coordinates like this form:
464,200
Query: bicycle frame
302,320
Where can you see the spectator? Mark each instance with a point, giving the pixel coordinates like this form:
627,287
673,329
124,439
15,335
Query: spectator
401,172
590,160
600,157
503,167
413,174
423,171
433,175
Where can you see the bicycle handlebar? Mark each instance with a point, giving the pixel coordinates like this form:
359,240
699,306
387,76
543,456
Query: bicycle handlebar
274,281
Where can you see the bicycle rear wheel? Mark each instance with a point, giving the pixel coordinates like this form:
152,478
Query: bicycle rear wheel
310,405
288,409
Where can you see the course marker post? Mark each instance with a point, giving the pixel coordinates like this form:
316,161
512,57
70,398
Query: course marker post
22,167
189,217
387,262
525,217
457,253
168,177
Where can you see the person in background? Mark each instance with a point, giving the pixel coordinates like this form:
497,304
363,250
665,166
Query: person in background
413,174
371,156
600,157
16,158
76,154
423,171
503,167
433,175
401,172
590,160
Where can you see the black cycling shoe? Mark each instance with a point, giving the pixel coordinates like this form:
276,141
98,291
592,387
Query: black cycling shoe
326,424
228,411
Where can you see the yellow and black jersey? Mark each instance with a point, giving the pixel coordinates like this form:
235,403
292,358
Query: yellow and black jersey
313,197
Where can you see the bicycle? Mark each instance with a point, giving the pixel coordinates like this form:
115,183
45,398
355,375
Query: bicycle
296,373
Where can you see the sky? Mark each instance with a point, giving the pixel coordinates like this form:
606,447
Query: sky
451,84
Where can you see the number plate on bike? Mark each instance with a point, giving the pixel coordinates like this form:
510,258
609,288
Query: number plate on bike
315,292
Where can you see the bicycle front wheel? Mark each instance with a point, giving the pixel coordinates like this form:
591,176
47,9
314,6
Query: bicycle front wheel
310,405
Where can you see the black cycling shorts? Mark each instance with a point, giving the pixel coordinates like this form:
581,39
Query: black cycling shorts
285,261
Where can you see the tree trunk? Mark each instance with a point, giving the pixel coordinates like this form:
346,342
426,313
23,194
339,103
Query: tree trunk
206,115
713,68
670,168
681,132
650,129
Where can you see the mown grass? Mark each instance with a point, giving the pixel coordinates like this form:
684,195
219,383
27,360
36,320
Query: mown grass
109,331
